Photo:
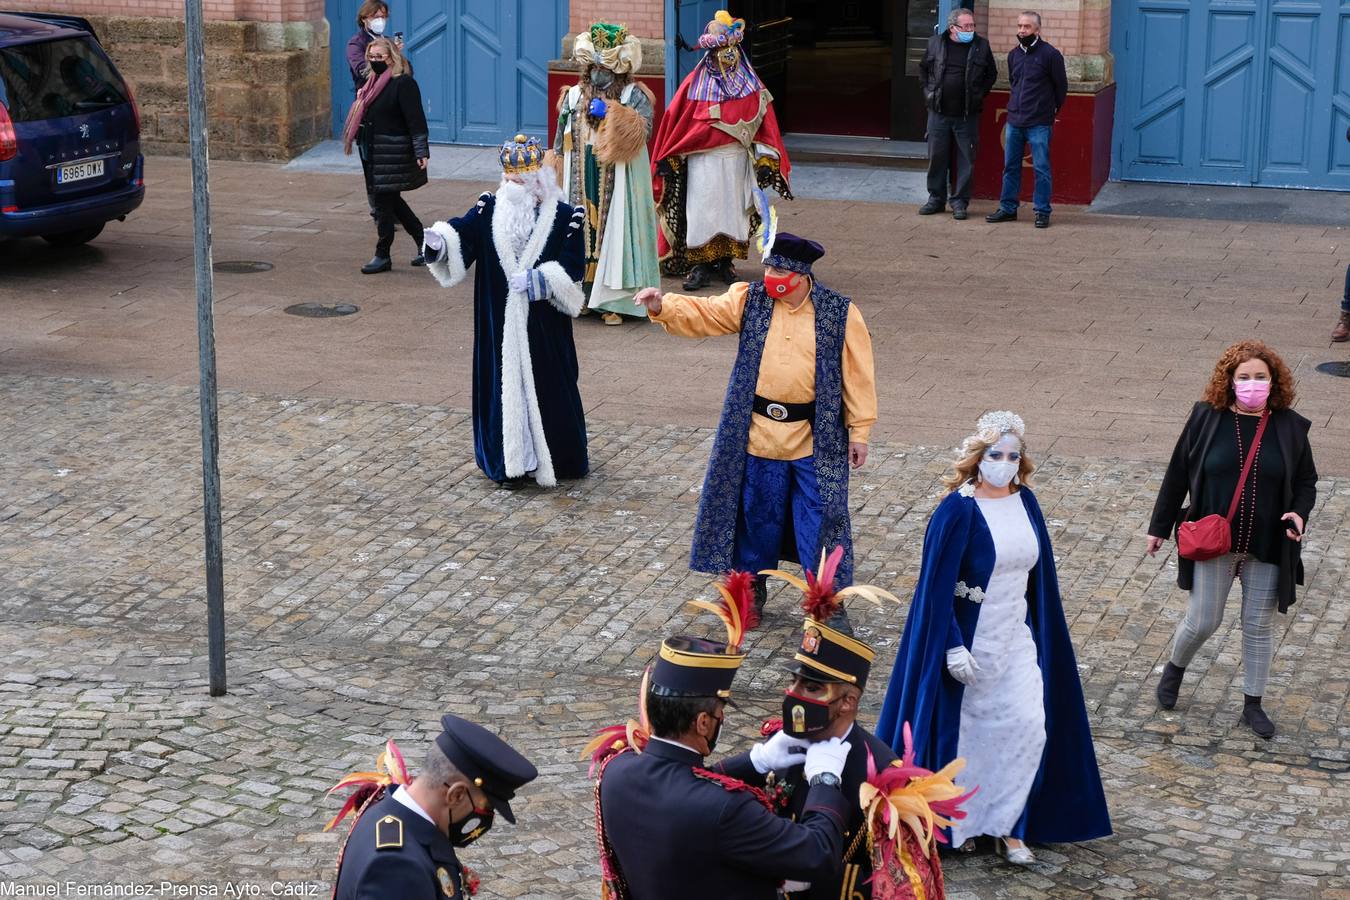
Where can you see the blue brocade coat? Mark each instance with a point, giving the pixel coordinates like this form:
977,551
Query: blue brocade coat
1066,802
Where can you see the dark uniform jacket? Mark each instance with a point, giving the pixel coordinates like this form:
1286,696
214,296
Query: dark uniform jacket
395,853
676,834
851,881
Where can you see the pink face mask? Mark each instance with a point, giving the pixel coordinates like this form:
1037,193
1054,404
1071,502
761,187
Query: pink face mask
1252,394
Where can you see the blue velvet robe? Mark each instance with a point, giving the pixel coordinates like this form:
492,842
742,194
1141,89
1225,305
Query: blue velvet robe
1066,802
549,349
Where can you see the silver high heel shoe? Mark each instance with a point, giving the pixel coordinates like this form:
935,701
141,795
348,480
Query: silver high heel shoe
1018,856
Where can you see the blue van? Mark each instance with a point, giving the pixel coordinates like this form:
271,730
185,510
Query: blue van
70,133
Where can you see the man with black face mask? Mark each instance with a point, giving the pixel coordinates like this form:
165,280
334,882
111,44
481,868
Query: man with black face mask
829,674
403,844
671,828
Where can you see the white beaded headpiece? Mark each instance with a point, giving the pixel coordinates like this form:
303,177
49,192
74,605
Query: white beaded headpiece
999,423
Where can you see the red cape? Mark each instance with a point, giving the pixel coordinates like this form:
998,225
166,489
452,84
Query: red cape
686,128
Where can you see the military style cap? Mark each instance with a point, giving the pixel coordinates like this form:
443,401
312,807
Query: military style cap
831,656
695,667
486,760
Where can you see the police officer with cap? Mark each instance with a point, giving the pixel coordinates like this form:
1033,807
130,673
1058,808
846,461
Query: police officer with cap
404,844
670,828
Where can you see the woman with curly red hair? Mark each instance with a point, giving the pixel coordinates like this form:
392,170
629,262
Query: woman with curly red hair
1244,425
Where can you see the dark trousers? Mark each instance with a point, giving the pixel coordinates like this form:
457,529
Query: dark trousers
944,133
1345,301
388,210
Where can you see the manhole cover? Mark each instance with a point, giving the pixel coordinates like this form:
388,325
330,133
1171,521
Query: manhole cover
322,311
1339,369
242,266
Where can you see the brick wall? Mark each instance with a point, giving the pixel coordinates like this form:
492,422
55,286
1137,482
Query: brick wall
644,18
1081,29
212,10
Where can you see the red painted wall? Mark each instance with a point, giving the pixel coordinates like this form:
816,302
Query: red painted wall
557,80
1080,149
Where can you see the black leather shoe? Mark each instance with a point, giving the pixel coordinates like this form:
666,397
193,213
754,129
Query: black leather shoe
726,271
1169,685
761,587
376,265
699,277
1001,215
418,260
959,213
1255,718
932,207
1042,220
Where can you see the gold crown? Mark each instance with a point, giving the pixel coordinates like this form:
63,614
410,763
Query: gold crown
522,154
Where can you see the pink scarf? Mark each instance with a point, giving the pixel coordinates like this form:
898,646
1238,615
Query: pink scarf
364,97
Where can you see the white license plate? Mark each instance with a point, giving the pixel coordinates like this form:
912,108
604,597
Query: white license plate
79,171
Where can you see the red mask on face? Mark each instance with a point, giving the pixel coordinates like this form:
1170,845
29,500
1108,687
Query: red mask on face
780,286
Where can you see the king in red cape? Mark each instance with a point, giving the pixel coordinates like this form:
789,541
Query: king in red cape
717,139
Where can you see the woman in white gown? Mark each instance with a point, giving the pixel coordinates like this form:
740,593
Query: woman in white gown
985,669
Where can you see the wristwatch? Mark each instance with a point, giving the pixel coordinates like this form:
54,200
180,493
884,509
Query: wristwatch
829,779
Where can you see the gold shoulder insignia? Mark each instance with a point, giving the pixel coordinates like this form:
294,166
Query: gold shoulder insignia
389,833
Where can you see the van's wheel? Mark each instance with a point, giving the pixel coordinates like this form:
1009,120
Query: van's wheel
74,238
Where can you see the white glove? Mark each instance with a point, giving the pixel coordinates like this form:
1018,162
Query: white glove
962,665
826,757
518,282
433,245
782,751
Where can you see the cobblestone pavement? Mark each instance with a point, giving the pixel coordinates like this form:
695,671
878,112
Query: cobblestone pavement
375,580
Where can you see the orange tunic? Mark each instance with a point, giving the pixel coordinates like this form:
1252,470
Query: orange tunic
787,370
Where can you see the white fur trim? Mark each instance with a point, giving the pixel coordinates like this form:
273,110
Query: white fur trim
520,401
449,270
566,293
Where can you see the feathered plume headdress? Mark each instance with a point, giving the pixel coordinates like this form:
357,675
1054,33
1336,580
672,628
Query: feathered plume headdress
736,608
632,735
768,222
923,802
820,600
389,769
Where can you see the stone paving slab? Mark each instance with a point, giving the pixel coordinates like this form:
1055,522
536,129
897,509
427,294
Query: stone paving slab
375,580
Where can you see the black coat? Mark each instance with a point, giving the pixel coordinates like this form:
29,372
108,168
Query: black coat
676,834
981,72
394,852
1186,472
1037,85
393,137
853,880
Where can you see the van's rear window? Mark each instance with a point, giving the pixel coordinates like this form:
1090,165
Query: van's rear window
58,78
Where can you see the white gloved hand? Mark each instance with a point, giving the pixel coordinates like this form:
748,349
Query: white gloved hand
962,665
826,757
433,245
518,282
782,751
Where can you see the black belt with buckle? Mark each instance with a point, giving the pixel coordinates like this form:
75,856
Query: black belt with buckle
785,412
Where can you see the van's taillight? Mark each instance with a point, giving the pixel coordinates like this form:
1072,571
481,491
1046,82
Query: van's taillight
9,141
135,109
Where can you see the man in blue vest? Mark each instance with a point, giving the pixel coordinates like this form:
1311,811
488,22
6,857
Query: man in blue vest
798,413
1037,85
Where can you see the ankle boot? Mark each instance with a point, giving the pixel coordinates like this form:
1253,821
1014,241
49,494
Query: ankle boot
761,593
1255,718
1169,685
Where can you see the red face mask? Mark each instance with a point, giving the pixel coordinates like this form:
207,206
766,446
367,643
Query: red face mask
779,286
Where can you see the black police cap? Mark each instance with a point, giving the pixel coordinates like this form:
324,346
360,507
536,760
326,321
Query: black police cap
486,760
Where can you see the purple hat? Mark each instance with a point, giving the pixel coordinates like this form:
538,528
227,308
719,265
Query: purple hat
793,253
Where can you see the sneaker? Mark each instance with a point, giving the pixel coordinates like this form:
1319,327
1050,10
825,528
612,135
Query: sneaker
1042,220
376,265
959,213
1001,215
932,207
1342,329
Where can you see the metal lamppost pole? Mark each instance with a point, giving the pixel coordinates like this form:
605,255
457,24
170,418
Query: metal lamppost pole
206,346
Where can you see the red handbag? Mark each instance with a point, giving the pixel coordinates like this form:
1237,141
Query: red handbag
1213,535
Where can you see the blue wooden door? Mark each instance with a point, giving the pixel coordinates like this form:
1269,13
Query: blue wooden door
1235,92
482,65
685,22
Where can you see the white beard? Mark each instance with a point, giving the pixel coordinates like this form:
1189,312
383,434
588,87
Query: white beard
519,211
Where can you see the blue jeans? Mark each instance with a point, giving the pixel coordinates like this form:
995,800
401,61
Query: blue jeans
1345,301
1016,140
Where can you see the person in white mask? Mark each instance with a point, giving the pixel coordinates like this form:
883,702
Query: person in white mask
372,20
985,668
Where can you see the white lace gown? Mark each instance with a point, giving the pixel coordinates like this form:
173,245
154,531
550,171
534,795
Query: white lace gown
1003,713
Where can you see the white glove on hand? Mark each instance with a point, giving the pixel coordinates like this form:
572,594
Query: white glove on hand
433,245
782,751
962,665
826,757
518,282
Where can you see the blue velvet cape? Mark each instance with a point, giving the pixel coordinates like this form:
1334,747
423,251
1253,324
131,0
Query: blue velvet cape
1066,802
553,355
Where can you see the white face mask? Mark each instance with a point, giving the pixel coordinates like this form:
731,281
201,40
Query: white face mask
997,474
1001,461
376,25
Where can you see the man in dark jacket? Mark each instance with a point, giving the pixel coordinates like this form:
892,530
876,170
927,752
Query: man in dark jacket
1038,85
958,71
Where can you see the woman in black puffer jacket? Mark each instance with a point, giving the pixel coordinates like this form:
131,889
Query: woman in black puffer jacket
387,125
